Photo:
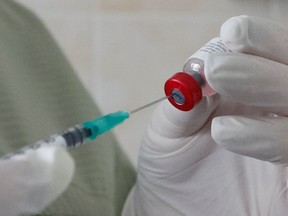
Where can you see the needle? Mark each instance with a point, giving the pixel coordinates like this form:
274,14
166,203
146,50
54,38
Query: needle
148,105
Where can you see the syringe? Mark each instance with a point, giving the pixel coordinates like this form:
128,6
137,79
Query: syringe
78,134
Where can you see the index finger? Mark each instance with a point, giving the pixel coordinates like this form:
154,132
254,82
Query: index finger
250,80
256,36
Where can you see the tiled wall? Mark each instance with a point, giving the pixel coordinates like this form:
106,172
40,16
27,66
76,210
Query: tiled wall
124,50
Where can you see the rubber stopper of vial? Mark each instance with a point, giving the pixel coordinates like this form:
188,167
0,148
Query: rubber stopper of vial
187,86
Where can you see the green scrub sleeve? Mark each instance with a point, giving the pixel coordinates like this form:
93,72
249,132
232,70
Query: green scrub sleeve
40,96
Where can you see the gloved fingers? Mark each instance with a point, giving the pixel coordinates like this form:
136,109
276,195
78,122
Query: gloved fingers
250,80
33,180
257,137
256,36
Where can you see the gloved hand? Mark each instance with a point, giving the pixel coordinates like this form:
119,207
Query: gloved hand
228,156
31,181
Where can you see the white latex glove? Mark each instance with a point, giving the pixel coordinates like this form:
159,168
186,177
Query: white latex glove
184,166
31,181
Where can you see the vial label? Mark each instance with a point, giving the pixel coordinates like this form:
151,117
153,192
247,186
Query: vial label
213,46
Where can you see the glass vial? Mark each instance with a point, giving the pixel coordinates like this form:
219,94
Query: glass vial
195,63
185,89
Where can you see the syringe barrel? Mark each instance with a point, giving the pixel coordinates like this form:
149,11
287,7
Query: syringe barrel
72,137
188,87
54,140
76,136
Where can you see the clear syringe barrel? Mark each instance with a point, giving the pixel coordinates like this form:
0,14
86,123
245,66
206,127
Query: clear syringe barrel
187,88
72,137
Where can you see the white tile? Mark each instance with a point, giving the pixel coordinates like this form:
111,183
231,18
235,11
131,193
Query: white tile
62,5
182,6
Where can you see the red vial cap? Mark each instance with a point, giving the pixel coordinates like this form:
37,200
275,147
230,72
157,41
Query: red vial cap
185,91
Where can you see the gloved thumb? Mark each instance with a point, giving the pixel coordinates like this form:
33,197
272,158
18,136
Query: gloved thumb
169,123
168,146
31,181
